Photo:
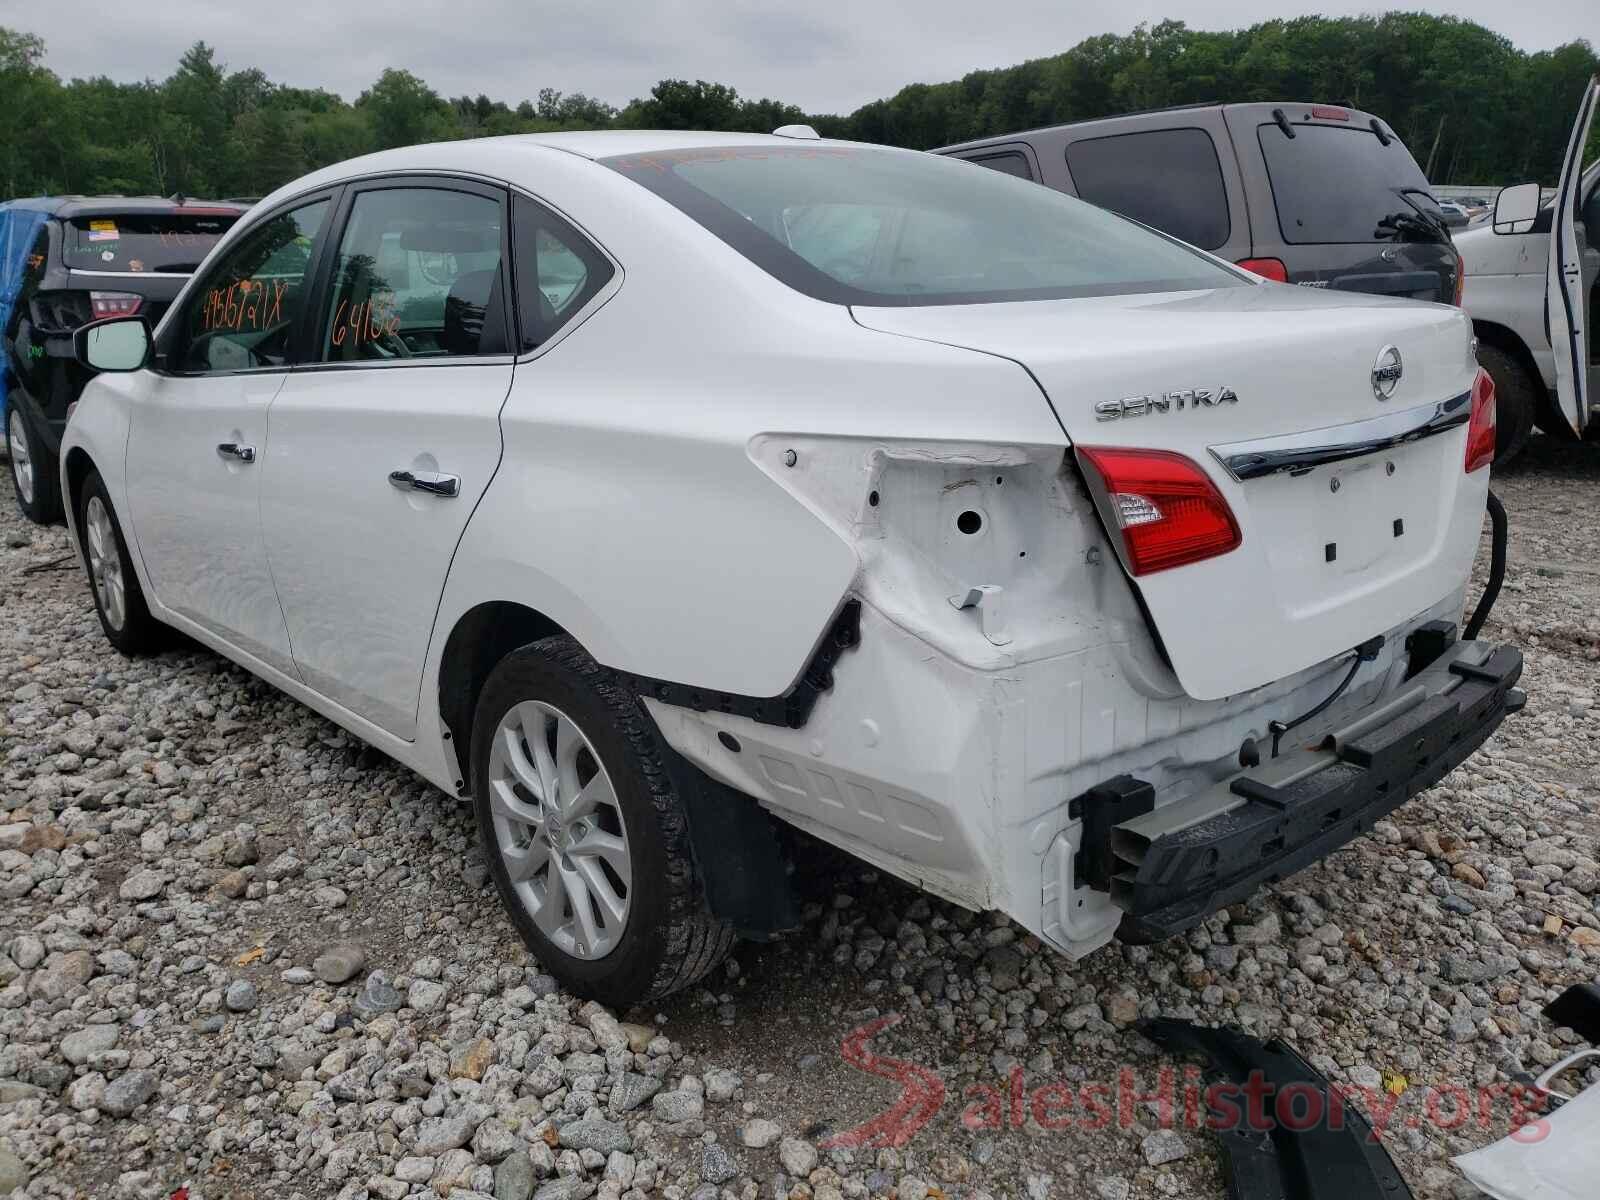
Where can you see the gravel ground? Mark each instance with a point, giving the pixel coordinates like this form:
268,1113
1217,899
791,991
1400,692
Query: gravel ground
243,954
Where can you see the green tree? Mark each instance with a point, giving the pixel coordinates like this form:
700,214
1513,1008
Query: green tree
679,104
1464,99
403,111
194,127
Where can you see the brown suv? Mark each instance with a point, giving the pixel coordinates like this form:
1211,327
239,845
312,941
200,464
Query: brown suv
1313,194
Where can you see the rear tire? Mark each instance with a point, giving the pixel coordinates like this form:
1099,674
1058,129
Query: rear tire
585,834
118,598
1516,401
34,471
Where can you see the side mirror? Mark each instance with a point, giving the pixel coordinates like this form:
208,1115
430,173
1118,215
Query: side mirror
1516,208
119,344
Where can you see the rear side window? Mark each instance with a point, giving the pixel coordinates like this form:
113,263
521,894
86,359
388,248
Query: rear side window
243,316
418,276
161,243
1170,179
1332,184
1010,163
558,271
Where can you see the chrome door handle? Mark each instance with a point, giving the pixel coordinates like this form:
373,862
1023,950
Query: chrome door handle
245,454
432,482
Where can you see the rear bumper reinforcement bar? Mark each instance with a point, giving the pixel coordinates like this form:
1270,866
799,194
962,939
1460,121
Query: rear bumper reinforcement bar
1175,865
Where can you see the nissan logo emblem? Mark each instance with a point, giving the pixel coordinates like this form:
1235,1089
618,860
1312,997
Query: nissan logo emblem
1386,372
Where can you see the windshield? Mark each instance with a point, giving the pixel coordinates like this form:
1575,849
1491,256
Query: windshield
170,243
1333,184
875,226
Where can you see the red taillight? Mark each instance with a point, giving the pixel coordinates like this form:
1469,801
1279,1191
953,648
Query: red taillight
114,304
1480,429
1327,112
1166,508
1461,278
1271,268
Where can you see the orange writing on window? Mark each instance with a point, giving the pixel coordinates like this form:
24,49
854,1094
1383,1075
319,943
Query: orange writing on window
247,304
372,320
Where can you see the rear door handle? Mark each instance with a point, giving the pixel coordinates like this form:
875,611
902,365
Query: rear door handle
246,454
432,482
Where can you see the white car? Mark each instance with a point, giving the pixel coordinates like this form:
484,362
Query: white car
1532,297
660,491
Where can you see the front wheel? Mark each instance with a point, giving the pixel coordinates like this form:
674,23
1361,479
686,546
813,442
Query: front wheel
33,470
118,598
585,834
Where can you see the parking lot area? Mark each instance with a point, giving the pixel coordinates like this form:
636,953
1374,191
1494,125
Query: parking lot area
242,953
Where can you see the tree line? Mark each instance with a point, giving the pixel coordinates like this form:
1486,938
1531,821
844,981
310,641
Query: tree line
1471,106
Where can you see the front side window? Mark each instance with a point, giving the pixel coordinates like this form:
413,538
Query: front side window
244,314
874,226
417,276
1171,179
558,271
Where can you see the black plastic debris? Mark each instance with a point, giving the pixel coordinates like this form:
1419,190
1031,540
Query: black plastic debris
1324,1149
1578,1008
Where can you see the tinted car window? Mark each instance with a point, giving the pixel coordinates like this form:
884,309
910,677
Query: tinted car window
158,242
1009,163
244,314
1171,179
871,225
558,271
1332,184
417,276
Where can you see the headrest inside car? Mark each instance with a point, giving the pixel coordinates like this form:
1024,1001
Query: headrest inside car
445,240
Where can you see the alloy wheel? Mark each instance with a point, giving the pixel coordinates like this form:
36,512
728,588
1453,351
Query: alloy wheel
21,458
105,564
559,830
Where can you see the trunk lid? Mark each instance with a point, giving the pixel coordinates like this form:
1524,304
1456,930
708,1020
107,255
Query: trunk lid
1355,512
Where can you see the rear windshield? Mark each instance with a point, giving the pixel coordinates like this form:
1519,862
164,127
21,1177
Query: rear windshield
158,242
1333,184
874,226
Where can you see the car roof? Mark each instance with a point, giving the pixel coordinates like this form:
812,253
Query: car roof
514,157
607,143
482,153
1262,110
79,206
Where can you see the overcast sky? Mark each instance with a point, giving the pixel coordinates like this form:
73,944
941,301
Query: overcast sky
825,57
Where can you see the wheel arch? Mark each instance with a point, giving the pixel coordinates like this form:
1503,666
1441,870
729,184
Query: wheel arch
736,849
75,468
480,638
1504,338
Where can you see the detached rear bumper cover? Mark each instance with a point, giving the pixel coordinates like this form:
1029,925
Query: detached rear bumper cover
1174,866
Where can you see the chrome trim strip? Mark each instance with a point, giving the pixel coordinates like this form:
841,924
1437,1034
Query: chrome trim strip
1297,453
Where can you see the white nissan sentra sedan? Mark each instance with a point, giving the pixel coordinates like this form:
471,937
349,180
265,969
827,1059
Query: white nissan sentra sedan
664,491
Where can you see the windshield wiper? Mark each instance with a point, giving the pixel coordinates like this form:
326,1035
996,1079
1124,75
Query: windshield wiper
1411,226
